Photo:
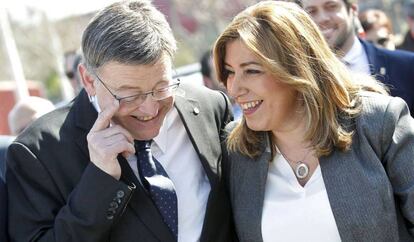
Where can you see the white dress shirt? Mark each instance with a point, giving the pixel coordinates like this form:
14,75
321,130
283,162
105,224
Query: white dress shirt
356,59
294,213
174,150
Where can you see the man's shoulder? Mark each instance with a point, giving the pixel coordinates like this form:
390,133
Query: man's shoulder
396,55
196,91
45,126
206,97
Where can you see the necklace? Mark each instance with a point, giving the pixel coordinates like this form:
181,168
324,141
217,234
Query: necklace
302,169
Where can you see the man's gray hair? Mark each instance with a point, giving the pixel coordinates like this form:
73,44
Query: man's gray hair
128,32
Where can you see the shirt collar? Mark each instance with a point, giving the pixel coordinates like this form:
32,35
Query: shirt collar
356,51
161,139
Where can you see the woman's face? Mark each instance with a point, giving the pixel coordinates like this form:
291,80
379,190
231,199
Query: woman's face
267,104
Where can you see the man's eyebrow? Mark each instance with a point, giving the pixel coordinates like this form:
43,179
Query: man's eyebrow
128,86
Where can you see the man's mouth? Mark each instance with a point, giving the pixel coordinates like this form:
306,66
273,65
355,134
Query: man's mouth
327,32
144,118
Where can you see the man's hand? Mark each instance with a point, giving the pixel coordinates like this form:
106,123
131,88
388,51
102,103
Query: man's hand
106,141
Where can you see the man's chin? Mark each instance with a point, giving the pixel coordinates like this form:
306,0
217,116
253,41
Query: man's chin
145,133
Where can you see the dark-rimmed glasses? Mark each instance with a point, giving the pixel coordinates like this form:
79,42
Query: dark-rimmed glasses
138,99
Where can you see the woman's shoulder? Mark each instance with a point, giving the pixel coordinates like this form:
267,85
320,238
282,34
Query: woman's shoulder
379,106
380,116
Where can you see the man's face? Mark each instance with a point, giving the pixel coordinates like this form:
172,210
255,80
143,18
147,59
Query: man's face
144,120
411,25
334,20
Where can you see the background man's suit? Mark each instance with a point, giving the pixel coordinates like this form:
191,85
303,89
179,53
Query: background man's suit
3,212
67,198
395,69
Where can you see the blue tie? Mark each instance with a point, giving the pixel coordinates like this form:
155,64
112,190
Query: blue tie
156,181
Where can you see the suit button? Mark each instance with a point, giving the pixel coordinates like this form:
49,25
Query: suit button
120,194
113,205
117,200
109,215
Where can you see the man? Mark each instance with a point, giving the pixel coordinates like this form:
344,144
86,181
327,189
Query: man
71,62
408,43
336,20
26,111
378,28
76,175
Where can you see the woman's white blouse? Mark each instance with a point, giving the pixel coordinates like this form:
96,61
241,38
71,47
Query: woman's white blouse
295,213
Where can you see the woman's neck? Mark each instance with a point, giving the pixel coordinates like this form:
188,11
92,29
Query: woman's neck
293,138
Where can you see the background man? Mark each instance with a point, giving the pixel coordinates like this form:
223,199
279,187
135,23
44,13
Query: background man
336,20
85,172
26,111
408,43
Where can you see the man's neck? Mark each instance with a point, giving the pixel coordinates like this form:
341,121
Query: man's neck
346,47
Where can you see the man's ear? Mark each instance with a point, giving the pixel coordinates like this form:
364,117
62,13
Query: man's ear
88,80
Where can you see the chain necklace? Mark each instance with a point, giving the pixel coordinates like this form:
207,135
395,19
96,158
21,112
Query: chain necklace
301,169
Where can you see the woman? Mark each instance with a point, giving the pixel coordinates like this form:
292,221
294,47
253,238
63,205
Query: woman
319,155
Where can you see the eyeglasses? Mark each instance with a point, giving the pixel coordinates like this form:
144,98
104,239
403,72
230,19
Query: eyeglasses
138,99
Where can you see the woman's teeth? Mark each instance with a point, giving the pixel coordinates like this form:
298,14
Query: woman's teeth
250,104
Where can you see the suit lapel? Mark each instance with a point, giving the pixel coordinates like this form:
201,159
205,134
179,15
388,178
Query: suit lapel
248,198
204,144
377,61
333,168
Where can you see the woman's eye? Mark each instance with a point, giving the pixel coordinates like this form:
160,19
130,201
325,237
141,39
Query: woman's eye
228,72
250,71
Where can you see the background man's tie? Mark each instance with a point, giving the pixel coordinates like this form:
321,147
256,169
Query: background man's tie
156,181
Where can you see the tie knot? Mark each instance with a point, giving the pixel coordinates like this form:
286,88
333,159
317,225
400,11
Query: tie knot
142,144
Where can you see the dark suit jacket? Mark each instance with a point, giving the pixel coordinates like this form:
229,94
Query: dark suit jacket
395,69
57,194
3,212
370,187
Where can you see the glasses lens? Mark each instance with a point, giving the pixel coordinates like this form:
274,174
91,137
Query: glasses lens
133,101
158,95
166,92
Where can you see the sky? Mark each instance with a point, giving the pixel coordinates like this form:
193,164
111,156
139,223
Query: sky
56,9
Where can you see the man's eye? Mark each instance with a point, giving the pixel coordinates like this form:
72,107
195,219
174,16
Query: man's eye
332,7
311,12
131,99
163,89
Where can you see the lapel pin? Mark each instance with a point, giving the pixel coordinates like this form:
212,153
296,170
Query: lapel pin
383,71
196,111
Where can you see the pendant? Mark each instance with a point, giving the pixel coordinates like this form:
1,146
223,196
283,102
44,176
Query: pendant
301,170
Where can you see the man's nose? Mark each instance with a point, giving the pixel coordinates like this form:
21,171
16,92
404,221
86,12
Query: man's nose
321,17
149,106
